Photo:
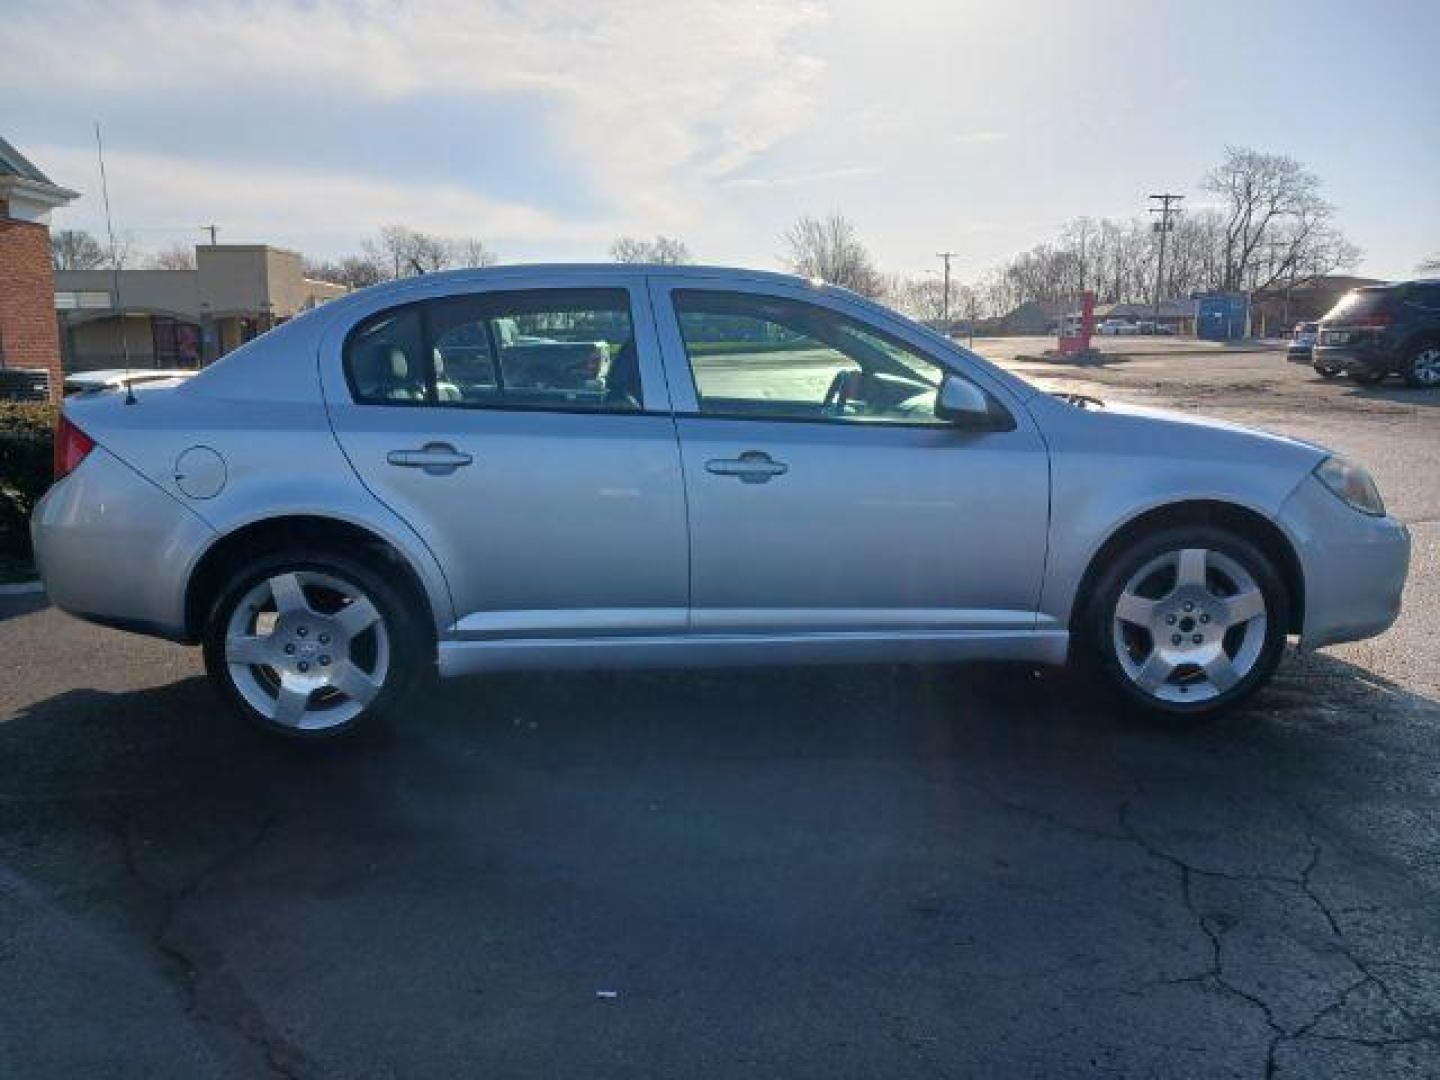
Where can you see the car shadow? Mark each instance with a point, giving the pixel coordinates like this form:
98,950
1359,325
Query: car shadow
176,743
1397,393
535,830
14,606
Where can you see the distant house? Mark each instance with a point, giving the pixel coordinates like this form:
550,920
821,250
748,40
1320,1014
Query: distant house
1035,317
181,318
1175,315
28,339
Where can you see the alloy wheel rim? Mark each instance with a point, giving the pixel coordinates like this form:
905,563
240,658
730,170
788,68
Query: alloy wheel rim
1189,625
1427,366
307,650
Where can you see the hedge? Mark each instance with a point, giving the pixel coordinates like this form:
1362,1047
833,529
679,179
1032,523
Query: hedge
26,456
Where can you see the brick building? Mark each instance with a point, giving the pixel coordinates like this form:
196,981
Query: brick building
29,337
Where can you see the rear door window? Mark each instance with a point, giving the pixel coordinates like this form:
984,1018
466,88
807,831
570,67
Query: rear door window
569,349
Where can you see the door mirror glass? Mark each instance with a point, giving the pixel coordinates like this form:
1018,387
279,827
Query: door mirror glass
963,403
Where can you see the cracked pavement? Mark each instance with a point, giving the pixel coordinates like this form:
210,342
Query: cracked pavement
969,871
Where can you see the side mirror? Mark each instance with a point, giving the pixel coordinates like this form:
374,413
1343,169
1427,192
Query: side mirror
964,404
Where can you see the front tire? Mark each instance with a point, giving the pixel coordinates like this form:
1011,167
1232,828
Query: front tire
1188,621
311,645
1325,371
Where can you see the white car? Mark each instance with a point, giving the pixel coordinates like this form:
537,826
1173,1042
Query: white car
1113,327
81,382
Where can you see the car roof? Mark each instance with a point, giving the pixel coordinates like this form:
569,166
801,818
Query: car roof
604,269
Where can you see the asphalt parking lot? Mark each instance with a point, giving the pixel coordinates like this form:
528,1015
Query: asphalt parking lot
972,871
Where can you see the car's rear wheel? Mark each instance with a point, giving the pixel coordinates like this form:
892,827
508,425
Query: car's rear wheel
1325,371
309,646
1189,621
1423,369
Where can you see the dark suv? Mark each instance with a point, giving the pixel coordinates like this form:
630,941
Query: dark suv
1384,329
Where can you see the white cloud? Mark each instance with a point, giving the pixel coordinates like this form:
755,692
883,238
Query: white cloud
973,138
641,91
291,206
848,172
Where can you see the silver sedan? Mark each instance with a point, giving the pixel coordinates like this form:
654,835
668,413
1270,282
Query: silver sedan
567,466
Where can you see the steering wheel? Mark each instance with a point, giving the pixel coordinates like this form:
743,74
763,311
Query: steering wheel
837,394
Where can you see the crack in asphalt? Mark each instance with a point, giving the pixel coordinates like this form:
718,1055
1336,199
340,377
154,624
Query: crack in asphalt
185,972
1214,975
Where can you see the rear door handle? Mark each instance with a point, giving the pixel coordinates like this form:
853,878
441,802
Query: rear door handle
436,458
752,467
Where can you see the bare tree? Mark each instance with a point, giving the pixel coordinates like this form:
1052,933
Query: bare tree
1276,223
352,271
1430,265
830,249
923,298
663,250
471,251
400,251
176,257
76,249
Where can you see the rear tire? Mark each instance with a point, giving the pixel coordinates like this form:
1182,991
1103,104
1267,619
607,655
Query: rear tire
311,645
1422,369
1188,621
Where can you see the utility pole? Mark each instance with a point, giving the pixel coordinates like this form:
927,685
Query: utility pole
1169,207
945,256
213,230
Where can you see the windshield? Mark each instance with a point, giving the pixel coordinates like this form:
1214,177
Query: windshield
1356,303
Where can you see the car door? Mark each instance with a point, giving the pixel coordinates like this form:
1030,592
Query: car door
825,494
524,432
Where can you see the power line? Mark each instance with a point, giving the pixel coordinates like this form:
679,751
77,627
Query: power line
1169,206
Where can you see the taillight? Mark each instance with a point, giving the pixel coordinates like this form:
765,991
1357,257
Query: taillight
71,446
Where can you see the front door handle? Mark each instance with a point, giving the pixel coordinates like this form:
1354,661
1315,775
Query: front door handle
752,467
436,458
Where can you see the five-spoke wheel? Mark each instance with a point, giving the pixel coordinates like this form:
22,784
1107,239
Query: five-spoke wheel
1189,620
308,647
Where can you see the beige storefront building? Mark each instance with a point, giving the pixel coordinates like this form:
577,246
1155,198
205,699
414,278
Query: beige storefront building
181,318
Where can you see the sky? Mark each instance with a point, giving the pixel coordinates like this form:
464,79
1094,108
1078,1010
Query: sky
549,127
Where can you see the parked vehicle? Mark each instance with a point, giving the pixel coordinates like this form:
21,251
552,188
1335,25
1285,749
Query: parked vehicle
764,470
1381,330
83,382
1117,326
1302,339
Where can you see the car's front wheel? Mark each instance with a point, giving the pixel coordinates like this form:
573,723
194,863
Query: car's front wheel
310,647
1189,621
1325,371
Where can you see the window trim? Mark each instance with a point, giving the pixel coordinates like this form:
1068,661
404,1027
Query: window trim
427,344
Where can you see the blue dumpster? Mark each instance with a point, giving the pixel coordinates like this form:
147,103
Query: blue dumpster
1221,316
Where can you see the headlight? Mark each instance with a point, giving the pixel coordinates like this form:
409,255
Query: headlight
1351,484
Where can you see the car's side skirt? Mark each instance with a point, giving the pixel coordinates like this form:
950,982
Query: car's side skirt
1048,646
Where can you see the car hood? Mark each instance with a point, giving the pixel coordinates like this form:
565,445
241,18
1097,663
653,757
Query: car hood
1208,423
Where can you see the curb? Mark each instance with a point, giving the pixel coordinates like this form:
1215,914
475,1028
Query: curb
22,588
